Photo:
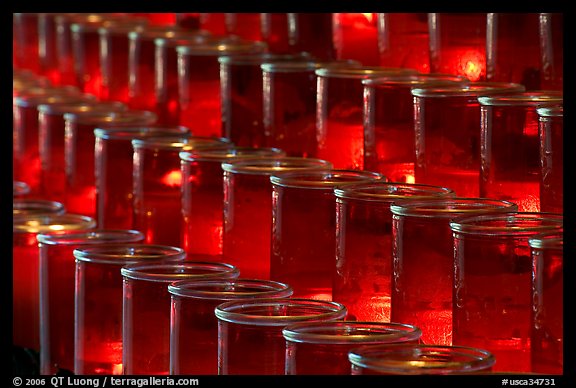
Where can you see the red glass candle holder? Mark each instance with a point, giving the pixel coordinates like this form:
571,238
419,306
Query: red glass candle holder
51,136
321,348
339,118
422,282
403,40
493,283
512,121
355,36
79,151
166,76
157,181
99,302
420,359
250,340
57,282
458,44
241,95
389,146
552,50
188,20
363,269
25,270
303,245
248,210
199,86
547,334
551,133
25,40
244,25
47,47
203,195
447,134
114,169
511,36
25,79
146,310
213,22
274,32
20,189
193,325
312,33
36,206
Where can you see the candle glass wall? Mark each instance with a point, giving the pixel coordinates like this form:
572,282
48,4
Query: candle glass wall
550,129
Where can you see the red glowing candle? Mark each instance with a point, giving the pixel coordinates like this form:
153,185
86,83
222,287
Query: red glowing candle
274,31
550,129
25,270
99,300
356,37
25,39
511,122
47,47
311,33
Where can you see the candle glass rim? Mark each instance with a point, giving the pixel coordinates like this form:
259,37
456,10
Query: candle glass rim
173,42
95,24
351,332
130,133
269,166
180,142
204,270
112,117
473,89
260,58
153,32
392,191
550,111
295,67
36,206
553,240
30,101
417,80
323,179
536,98
450,207
85,106
91,236
516,223
203,289
361,72
221,155
42,223
218,47
20,188
122,253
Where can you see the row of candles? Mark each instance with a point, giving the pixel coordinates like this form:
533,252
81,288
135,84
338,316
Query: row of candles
378,204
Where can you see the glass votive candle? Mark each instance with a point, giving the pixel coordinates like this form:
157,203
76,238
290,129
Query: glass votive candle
551,133
157,182
142,62
493,283
403,40
303,245
166,95
423,261
20,189
355,36
25,270
47,47
36,206
244,25
248,209
447,134
99,301
25,41
389,146
203,195
552,50
511,121
57,283
241,95
363,268
312,33
458,44
274,32
547,338
114,169
420,359
199,84
51,139
339,113
193,325
147,307
79,151
321,348
250,340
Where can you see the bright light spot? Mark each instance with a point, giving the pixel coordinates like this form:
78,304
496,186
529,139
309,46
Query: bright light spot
369,17
472,65
173,178
410,179
117,369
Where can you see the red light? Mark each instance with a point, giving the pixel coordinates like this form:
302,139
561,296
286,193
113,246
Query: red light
172,179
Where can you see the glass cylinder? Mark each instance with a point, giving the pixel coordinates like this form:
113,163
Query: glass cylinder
250,340
25,41
493,283
274,32
47,47
244,25
114,169
51,141
311,33
458,44
57,282
203,195
36,206
447,134
248,210
547,334
403,40
193,325
25,270
303,242
79,151
339,113
20,189
363,269
551,134
552,50
146,310
199,82
157,182
420,359
241,84
321,348
99,300
511,122
422,281
389,145
355,36
213,22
